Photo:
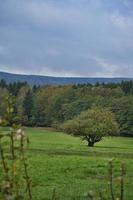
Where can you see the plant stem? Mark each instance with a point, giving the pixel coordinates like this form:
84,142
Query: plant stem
4,163
12,145
122,182
8,190
28,182
111,179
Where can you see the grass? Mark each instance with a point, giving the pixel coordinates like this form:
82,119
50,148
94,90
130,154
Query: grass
64,163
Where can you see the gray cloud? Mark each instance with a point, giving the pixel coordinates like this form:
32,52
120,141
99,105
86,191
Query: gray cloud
71,37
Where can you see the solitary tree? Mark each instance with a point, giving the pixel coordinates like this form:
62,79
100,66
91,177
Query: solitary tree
92,125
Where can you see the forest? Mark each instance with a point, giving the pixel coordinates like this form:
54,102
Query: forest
49,106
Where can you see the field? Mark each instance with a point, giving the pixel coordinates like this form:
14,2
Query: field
65,164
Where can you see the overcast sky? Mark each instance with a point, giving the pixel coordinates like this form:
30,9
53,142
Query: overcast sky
67,37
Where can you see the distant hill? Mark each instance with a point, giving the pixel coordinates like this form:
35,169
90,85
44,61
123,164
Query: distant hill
49,80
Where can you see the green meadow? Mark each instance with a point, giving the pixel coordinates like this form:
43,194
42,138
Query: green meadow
64,167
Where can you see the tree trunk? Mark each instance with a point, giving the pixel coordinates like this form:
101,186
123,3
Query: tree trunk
92,139
90,144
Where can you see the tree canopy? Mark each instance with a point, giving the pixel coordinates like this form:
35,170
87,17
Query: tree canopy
52,105
92,125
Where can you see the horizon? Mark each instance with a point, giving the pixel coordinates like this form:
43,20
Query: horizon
84,77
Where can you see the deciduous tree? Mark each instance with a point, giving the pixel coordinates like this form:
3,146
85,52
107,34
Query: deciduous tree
92,125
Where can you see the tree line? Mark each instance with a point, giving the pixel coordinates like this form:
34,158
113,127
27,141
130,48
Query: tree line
53,105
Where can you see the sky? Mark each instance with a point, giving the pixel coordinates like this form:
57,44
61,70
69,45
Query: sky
88,38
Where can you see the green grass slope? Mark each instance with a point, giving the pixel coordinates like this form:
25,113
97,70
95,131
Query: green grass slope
64,163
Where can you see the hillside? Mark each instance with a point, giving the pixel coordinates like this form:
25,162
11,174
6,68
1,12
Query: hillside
49,80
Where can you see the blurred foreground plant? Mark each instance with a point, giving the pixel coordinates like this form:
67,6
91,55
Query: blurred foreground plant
103,194
112,181
15,183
